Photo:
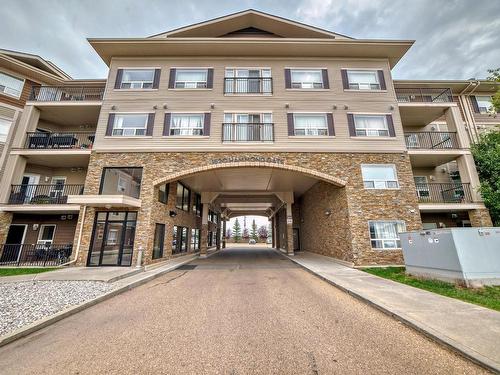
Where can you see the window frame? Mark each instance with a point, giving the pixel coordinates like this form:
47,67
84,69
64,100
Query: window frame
381,115
420,190
142,88
22,80
183,198
9,122
316,114
118,115
397,240
163,195
197,205
374,71
201,129
320,70
490,101
161,246
385,182
204,87
195,239
103,175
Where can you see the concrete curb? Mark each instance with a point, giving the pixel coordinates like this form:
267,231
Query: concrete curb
420,327
47,321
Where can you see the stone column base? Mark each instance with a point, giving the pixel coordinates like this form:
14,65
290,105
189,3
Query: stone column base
480,218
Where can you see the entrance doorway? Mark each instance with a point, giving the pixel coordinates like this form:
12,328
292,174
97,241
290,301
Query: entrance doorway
113,239
296,239
14,242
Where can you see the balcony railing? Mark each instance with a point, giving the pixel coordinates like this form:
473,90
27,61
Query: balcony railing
66,140
247,132
43,194
424,95
432,140
455,192
257,85
34,254
66,93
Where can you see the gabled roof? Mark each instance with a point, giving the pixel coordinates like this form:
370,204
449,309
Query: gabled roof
36,62
250,22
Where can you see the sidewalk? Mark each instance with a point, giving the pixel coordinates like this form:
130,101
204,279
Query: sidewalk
469,329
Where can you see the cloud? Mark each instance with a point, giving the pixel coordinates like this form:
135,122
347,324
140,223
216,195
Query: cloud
454,38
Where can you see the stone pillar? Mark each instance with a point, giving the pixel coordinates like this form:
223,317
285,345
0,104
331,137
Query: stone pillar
480,218
5,220
289,229
224,231
272,232
204,231
217,233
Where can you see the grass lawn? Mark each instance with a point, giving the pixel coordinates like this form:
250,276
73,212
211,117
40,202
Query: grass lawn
489,296
23,271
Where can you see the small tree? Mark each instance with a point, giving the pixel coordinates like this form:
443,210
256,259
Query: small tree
253,232
495,100
228,233
487,156
263,233
245,235
236,231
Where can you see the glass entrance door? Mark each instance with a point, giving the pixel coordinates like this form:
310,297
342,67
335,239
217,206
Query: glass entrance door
113,239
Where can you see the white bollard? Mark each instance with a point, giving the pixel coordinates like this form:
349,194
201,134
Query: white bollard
139,258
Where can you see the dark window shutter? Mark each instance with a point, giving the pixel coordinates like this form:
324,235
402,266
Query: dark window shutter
206,124
326,83
171,79
166,124
351,124
291,128
288,79
111,121
390,125
156,79
118,81
151,124
345,79
210,78
381,80
329,121
475,106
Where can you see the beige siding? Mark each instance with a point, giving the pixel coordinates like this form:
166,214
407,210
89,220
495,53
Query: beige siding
73,177
297,100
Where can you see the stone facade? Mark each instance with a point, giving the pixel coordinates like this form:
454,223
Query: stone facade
352,200
480,218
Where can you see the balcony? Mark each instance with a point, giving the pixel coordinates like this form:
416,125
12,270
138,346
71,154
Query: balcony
241,86
432,140
34,254
66,93
247,132
56,141
43,194
424,95
455,192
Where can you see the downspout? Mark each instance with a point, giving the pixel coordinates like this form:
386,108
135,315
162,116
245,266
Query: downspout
80,232
466,107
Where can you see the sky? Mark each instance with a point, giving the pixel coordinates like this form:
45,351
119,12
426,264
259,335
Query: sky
259,220
455,39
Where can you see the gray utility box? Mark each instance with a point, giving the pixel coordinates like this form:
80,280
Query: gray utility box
470,256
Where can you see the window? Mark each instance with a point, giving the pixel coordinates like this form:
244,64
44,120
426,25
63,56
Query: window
385,234
46,234
310,124
247,127
212,216
4,129
421,186
248,81
126,181
163,193
179,239
57,186
137,79
130,124
159,241
371,125
191,78
186,124
195,239
307,78
11,85
484,103
197,205
183,197
363,80
379,176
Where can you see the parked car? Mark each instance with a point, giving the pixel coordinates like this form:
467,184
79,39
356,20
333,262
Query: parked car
269,241
252,241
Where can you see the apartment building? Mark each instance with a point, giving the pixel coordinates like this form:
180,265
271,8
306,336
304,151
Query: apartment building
247,114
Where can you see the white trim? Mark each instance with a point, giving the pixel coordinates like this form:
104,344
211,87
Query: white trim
190,89
247,112
22,87
370,113
190,67
305,68
184,112
369,91
132,113
40,231
142,90
385,181
24,234
136,68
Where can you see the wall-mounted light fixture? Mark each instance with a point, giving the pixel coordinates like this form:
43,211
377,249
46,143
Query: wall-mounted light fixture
165,106
107,206
172,214
155,107
212,105
328,211
334,106
113,107
391,107
346,107
35,226
287,105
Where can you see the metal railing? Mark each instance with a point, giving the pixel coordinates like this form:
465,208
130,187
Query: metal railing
431,140
257,85
66,93
43,194
247,132
34,254
454,192
424,95
64,140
